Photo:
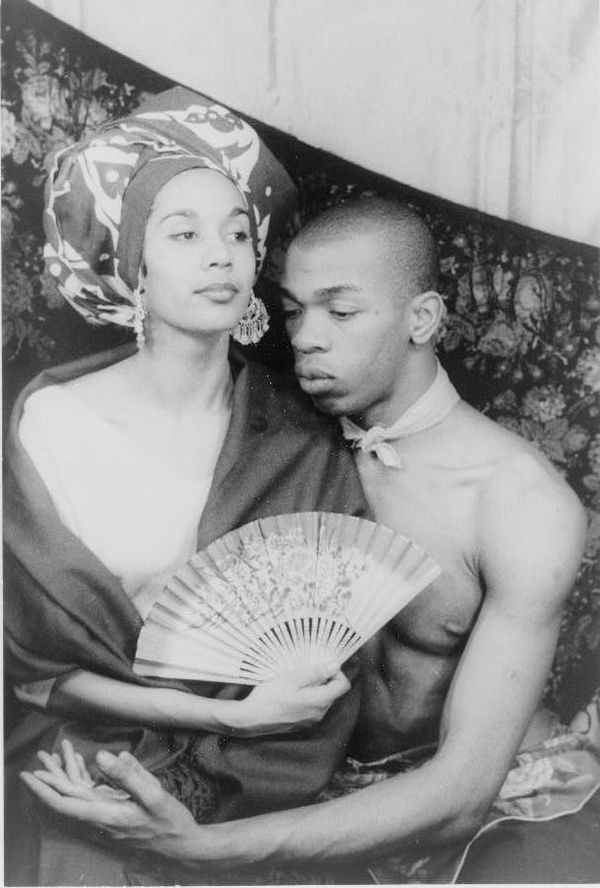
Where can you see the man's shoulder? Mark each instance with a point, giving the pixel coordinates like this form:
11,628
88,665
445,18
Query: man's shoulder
504,449
518,485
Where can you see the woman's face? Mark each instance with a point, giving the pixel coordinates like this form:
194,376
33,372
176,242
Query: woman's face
198,254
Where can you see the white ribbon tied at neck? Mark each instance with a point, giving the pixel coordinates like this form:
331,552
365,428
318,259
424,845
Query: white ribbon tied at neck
430,409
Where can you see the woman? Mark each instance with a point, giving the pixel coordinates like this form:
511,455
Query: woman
122,465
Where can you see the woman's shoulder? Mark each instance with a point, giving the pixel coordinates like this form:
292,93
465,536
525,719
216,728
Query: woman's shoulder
46,408
48,385
60,399
100,385
62,393
54,400
51,422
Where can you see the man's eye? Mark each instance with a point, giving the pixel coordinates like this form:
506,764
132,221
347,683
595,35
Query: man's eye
340,315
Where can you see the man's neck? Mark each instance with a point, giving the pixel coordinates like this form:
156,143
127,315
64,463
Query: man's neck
417,377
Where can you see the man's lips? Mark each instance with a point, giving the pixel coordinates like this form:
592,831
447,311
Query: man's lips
315,382
311,373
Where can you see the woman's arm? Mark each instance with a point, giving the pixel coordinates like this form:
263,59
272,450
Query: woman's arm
295,700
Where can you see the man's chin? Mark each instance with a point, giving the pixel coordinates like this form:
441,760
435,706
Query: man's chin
323,395
328,404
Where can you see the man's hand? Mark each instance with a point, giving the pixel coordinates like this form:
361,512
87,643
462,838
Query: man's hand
134,809
292,701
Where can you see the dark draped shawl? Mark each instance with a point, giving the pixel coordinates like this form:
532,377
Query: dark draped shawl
64,610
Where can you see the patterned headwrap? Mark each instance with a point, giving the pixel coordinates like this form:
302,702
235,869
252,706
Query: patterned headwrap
100,192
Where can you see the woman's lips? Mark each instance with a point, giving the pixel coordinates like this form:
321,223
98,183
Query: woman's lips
218,292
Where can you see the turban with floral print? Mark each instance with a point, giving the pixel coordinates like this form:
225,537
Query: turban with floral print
100,192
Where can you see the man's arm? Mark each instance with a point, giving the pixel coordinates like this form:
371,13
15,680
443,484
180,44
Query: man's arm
530,537
531,529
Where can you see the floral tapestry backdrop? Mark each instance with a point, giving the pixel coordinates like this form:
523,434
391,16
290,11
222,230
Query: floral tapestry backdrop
521,337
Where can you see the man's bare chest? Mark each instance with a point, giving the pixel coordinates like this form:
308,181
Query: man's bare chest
437,510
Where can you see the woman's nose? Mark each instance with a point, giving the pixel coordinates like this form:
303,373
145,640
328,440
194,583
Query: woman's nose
215,253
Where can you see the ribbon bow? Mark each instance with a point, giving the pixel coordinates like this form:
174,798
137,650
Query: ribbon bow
430,409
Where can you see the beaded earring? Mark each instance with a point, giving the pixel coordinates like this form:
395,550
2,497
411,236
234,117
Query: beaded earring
139,315
253,324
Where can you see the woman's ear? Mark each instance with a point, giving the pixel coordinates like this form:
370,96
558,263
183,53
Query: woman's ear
427,312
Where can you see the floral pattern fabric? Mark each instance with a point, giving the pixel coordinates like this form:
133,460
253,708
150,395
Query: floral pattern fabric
554,779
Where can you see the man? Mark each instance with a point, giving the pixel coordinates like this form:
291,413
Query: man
462,668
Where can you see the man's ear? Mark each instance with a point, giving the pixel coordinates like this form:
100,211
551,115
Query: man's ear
427,312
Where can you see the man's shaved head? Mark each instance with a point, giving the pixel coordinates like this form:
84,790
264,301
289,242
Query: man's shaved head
408,240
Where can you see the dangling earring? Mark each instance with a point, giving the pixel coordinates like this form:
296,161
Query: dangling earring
139,315
253,324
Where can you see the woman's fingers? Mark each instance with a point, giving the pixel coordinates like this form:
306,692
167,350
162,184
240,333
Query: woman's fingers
338,685
317,673
64,785
71,764
73,779
86,810
52,762
324,695
42,789
325,680
80,790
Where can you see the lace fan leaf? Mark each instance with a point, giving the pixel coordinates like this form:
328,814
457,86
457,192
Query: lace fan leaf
278,593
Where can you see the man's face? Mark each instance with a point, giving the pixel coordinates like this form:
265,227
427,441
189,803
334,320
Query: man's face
348,322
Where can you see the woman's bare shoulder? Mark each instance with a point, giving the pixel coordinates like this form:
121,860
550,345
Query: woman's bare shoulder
100,382
106,391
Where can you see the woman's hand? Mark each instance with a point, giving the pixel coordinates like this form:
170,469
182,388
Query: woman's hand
292,701
134,810
70,776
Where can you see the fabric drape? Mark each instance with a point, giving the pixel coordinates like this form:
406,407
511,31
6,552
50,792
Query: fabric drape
492,104
64,610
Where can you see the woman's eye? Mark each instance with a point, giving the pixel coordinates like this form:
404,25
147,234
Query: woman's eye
184,235
240,236
290,313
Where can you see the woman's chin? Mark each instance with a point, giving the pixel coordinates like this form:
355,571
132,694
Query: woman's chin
207,327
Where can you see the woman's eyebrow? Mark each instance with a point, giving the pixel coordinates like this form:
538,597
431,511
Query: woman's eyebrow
192,214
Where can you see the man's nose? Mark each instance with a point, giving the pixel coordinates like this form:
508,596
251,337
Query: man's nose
308,334
216,252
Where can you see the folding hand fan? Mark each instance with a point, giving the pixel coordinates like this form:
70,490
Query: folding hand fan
278,593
